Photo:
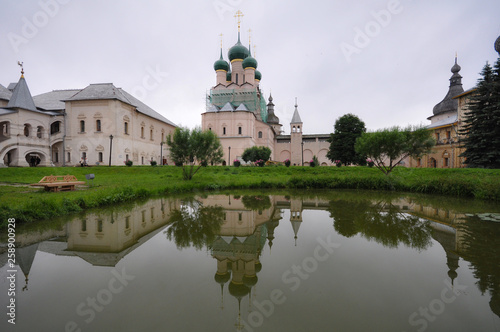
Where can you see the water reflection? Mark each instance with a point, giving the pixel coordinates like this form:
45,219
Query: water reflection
237,229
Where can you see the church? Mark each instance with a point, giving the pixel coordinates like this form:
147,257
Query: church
238,113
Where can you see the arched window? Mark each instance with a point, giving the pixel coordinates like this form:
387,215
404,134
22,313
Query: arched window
142,132
27,129
260,134
97,125
125,128
239,130
55,127
151,134
39,131
100,157
223,130
82,126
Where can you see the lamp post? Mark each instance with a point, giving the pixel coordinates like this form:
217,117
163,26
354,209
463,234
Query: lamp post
161,153
229,158
110,147
302,152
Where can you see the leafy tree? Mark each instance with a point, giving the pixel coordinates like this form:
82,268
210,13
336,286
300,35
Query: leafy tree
194,148
347,129
482,121
393,145
255,153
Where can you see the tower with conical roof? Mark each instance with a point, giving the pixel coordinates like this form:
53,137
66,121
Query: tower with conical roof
448,104
296,137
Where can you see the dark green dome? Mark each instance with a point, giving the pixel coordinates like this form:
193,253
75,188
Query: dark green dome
250,281
238,51
238,290
228,76
258,75
222,278
250,62
221,64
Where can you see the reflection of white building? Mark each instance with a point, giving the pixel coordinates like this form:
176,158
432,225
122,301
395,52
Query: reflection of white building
63,127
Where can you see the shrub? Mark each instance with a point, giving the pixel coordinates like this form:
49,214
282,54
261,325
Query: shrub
287,162
129,163
236,163
260,163
153,163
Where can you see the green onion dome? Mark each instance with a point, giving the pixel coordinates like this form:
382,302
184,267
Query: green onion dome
222,278
258,75
228,76
249,62
238,290
238,51
221,64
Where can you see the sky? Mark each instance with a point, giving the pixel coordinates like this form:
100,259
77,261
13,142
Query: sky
388,62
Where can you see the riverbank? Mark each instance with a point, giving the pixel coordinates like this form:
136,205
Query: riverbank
114,185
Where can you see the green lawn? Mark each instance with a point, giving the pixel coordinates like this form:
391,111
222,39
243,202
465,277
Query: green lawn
113,185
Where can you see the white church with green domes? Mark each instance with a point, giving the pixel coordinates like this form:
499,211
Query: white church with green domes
238,113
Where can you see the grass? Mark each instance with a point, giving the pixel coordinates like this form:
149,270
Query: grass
113,185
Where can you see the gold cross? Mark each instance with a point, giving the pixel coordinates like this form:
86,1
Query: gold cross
221,40
249,36
239,15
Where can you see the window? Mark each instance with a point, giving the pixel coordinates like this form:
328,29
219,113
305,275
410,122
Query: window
151,134
162,137
27,130
236,78
126,157
142,132
56,157
142,160
100,157
82,126
239,130
260,134
69,157
55,127
448,135
84,225
125,128
39,132
99,226
223,130
98,125
446,162
437,137
210,128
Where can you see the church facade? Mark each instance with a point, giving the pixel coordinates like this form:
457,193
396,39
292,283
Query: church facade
97,125
238,113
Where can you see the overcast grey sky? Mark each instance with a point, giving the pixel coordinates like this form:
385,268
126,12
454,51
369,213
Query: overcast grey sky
386,61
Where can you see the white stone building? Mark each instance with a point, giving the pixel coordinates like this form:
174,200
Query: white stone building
98,125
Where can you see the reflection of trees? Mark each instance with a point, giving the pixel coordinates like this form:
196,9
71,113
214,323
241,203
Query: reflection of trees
256,202
481,247
382,222
194,225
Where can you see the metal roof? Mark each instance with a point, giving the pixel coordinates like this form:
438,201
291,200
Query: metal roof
5,93
52,101
445,122
21,97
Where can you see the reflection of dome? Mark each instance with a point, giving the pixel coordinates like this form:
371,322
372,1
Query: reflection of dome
258,267
250,281
238,290
222,278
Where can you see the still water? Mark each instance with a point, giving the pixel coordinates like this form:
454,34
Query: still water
331,261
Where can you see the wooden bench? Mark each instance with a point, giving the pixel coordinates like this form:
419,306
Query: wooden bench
58,183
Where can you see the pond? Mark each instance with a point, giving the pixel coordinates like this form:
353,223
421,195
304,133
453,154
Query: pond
258,261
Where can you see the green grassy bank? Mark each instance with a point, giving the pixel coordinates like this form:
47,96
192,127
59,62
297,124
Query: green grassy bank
114,185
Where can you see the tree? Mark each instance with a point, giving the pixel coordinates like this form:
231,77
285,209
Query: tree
481,127
255,153
394,144
193,149
347,129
